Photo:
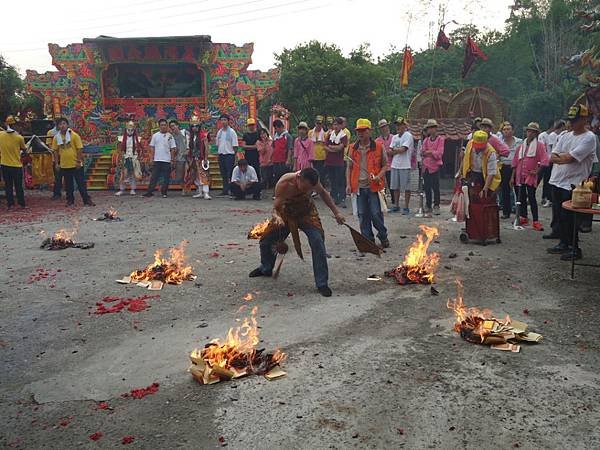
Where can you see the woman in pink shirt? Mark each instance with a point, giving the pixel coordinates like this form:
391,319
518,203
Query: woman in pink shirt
264,145
529,158
432,154
304,153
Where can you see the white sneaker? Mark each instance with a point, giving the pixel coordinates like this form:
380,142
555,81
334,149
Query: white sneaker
198,195
132,192
207,197
119,193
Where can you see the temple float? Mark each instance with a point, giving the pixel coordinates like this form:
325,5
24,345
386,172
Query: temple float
104,82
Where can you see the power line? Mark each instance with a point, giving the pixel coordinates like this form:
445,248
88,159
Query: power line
241,13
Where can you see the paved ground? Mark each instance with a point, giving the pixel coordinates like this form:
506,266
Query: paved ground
374,366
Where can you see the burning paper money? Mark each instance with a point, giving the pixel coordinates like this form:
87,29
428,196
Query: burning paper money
236,357
171,270
63,239
110,216
418,266
480,327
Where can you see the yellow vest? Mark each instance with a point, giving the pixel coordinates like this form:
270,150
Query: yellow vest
466,166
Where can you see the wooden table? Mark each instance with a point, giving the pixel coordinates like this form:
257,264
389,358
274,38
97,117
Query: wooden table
569,206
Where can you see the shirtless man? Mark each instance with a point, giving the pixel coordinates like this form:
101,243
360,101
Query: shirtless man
293,203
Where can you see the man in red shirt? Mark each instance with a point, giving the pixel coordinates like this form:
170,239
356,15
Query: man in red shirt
283,144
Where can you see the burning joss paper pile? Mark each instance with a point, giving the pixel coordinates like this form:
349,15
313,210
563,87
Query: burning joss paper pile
480,327
171,270
418,266
63,239
110,216
236,357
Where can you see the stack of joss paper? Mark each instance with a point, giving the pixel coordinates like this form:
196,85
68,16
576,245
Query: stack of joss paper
498,334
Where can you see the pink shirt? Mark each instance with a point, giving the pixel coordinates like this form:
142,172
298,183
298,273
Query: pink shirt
433,162
304,153
526,168
500,147
265,152
386,142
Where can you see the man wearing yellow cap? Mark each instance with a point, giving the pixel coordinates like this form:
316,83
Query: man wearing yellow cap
366,177
11,144
480,166
249,144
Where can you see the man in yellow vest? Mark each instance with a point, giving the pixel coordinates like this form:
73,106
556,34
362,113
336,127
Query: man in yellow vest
11,144
480,166
317,135
68,154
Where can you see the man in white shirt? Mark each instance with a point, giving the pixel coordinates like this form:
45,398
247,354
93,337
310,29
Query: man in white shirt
549,138
244,181
227,144
572,157
162,153
402,147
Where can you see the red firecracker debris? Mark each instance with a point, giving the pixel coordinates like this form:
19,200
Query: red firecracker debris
135,304
525,311
142,392
103,405
64,422
401,431
221,439
214,255
127,440
96,436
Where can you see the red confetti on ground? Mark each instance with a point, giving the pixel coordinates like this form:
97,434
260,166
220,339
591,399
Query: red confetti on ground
39,207
103,405
133,304
43,274
65,422
525,311
290,294
97,435
221,439
127,440
214,255
142,392
401,431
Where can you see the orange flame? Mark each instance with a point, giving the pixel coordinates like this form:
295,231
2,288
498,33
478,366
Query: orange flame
470,320
64,235
248,297
170,270
418,266
238,350
417,260
259,230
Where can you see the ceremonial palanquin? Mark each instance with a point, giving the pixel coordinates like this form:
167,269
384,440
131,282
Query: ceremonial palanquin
105,81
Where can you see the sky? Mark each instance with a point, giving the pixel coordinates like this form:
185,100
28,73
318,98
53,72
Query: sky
271,24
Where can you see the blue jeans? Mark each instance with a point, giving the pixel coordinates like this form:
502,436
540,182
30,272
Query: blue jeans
317,247
370,215
226,164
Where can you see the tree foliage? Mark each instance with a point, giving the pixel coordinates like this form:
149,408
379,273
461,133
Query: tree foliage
11,87
526,67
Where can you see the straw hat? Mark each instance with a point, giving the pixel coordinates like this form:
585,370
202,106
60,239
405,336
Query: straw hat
534,126
382,123
303,125
431,123
488,122
400,121
251,121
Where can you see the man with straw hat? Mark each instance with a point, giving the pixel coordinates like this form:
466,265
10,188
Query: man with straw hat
366,177
432,153
501,148
572,160
528,161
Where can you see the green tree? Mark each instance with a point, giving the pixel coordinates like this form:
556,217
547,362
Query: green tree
11,87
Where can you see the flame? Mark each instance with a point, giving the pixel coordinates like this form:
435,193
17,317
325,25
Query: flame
238,349
170,270
419,266
472,321
111,213
248,297
64,235
259,230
